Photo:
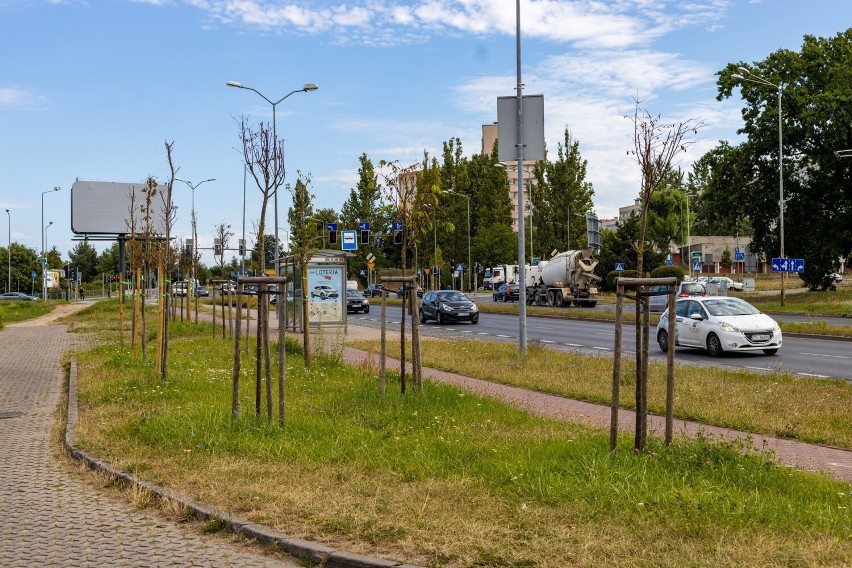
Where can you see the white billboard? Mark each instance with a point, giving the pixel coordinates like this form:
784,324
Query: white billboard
103,208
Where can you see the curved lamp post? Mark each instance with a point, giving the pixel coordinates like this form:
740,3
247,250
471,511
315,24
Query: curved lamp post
307,87
750,77
43,279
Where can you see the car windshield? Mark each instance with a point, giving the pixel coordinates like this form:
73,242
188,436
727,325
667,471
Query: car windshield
730,307
355,293
452,297
695,288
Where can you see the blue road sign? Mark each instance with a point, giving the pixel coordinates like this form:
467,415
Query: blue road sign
397,225
363,226
459,267
739,255
349,241
331,226
669,261
34,274
619,267
696,267
788,265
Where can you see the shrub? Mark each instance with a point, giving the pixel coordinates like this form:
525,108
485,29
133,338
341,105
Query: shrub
668,271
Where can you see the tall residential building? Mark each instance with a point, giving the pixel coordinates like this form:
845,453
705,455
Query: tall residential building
489,136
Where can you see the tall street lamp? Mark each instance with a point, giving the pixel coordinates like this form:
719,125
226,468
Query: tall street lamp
43,280
750,77
469,265
9,252
44,266
194,232
307,87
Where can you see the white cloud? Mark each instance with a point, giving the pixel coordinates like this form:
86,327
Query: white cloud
15,98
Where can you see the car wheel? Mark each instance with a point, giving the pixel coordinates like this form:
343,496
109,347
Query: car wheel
440,319
474,320
366,310
663,340
714,346
422,317
770,351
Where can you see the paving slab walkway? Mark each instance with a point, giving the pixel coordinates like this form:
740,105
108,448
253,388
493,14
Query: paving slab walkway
50,516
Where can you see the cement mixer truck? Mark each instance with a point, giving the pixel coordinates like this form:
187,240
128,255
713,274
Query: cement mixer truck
567,278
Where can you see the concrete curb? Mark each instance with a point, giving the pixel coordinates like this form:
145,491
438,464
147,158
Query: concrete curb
314,552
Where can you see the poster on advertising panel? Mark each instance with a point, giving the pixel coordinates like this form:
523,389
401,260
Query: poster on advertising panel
325,295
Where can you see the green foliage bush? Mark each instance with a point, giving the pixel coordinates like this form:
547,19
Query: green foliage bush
668,271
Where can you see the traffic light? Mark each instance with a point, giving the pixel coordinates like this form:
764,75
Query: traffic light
217,247
397,237
242,247
365,237
332,237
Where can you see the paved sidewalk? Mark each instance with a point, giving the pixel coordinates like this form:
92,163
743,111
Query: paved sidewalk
48,515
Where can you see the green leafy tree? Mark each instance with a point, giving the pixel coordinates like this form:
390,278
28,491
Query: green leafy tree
85,258
304,242
560,198
815,86
108,260
364,205
494,242
720,191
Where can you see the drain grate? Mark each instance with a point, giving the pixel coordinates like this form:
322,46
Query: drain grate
10,415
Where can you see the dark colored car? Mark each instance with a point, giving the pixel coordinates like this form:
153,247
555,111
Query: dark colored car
18,296
419,291
356,302
373,290
499,295
202,291
446,306
511,292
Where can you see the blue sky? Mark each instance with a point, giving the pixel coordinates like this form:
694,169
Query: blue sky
92,89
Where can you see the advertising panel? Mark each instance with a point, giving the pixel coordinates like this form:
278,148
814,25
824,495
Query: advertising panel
326,295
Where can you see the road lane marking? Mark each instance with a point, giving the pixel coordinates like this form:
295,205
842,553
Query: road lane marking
506,336
758,368
573,345
812,375
603,348
547,341
831,356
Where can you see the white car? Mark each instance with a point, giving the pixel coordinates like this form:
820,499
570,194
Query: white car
720,324
730,284
324,291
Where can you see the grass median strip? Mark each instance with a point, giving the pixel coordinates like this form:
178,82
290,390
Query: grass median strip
774,404
443,477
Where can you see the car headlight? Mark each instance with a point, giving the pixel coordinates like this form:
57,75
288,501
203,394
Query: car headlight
444,307
775,327
474,308
727,327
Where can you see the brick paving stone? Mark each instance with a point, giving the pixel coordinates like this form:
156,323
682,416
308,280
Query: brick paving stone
49,516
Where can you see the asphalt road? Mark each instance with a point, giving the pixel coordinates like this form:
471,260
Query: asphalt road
821,358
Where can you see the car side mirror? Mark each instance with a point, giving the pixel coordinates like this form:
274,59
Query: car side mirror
697,317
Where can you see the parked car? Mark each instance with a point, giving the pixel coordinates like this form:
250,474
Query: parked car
720,324
419,291
20,296
730,284
446,306
202,291
685,289
356,302
324,292
373,290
